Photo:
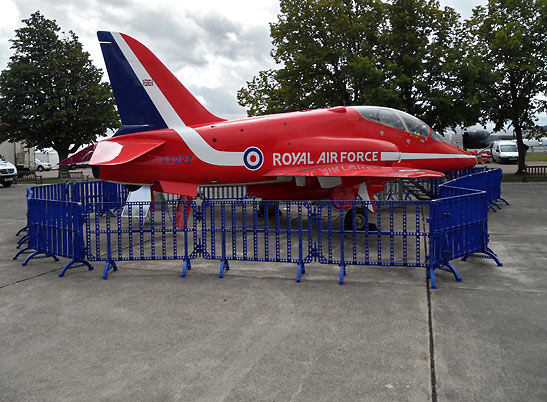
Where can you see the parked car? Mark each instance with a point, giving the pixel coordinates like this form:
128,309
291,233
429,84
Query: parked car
41,166
504,151
8,172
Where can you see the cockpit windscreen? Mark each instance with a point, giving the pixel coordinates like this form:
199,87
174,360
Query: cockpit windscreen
394,118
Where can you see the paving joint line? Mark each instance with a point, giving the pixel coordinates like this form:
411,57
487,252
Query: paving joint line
431,345
30,277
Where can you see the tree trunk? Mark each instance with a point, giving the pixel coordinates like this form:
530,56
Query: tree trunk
63,154
521,147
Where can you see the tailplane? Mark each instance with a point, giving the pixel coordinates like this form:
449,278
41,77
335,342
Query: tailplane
148,95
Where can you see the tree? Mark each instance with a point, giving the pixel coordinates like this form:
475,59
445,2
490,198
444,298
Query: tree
423,52
328,52
404,54
51,95
511,38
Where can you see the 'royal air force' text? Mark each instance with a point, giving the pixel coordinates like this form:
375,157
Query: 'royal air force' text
305,158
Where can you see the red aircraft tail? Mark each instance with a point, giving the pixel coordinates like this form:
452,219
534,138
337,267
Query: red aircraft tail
148,95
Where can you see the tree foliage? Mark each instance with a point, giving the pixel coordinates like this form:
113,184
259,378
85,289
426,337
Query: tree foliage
51,95
408,54
423,61
404,54
511,39
327,51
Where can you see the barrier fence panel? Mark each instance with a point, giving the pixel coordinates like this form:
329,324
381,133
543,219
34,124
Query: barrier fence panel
488,180
265,231
408,233
393,236
458,228
55,229
164,230
54,192
98,192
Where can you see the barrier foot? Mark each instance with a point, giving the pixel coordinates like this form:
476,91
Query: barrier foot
22,251
493,255
185,267
25,228
68,266
455,272
502,199
110,264
495,204
342,273
34,254
431,277
22,240
223,266
489,254
301,270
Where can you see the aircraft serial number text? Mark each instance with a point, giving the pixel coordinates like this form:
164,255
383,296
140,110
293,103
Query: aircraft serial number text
176,160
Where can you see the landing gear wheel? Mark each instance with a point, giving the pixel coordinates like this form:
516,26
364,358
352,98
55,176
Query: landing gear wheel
360,220
271,210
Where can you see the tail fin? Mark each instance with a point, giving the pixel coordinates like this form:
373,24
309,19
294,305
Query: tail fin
148,95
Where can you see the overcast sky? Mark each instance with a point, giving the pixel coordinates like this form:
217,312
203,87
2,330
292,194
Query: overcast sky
213,46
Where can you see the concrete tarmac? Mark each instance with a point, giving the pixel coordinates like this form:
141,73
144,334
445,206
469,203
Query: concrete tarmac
146,334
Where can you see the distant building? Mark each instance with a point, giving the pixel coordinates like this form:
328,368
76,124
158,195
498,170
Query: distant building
18,154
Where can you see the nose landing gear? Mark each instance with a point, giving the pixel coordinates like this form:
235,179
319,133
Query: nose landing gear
361,217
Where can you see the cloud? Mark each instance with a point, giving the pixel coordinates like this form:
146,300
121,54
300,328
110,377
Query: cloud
463,7
212,46
219,101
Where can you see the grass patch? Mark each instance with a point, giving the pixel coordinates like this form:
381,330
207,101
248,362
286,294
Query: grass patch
536,158
511,178
514,178
51,180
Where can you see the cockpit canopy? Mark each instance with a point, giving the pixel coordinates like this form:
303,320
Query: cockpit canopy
394,118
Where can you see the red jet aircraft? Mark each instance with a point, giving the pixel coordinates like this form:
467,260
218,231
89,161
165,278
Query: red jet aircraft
170,142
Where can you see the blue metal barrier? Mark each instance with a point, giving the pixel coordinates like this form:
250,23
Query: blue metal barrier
55,229
488,180
54,192
143,232
98,192
248,230
458,221
297,232
395,191
393,236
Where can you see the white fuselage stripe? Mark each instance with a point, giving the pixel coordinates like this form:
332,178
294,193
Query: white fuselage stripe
399,156
193,140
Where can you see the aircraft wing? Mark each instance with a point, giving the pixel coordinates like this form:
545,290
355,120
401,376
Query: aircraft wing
354,170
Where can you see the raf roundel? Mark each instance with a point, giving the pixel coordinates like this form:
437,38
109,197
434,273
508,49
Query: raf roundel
253,158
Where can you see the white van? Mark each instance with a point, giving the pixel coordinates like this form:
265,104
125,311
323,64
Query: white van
8,172
504,151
